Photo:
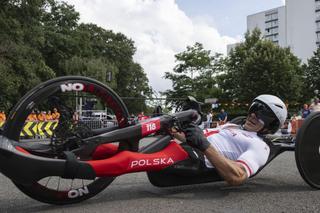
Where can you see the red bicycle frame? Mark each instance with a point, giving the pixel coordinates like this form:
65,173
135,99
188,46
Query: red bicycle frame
128,162
105,159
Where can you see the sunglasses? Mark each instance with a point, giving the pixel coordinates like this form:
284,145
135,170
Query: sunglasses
263,113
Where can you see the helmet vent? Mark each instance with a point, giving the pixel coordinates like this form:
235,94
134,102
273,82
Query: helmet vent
279,106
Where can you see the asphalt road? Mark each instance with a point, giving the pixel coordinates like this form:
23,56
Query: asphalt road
278,188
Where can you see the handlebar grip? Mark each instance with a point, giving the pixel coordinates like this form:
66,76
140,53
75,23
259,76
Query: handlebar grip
188,116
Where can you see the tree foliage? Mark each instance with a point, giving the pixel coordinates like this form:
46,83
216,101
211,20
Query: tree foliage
21,62
258,66
41,39
194,74
312,76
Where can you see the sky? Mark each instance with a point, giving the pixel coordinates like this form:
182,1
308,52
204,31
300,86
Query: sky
163,28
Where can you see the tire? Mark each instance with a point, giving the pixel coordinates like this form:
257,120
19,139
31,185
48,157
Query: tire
42,96
307,150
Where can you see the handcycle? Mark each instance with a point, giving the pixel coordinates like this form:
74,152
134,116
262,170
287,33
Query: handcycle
75,162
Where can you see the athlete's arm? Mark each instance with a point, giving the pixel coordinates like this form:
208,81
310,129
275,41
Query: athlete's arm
231,171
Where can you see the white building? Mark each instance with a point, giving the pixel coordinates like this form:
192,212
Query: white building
272,24
303,27
295,25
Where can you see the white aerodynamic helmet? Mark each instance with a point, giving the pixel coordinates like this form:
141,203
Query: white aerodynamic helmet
271,110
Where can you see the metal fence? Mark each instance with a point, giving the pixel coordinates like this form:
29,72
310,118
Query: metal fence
99,123
96,119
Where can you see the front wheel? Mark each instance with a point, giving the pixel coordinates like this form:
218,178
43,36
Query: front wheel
46,118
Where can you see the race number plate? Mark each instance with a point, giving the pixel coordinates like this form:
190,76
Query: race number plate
150,126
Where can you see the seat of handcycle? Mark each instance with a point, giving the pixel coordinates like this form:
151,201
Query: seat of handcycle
190,171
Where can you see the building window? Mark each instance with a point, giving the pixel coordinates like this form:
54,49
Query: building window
268,17
274,16
317,6
270,31
271,17
318,26
272,37
272,24
268,24
318,36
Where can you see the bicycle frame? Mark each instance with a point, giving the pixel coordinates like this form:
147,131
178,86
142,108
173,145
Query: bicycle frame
18,164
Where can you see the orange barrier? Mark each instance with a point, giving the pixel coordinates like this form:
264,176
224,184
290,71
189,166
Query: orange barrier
295,125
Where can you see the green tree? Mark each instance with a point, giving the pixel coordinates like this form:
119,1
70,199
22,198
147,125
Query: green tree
41,39
195,74
96,68
22,65
258,66
311,76
116,51
134,84
60,23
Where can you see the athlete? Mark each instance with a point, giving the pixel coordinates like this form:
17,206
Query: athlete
237,152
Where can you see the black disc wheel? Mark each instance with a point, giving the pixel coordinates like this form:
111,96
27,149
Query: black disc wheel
307,151
74,107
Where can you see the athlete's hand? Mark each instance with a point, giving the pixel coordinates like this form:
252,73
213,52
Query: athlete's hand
195,137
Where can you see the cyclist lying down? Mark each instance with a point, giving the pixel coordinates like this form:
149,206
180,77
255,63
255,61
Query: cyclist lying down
237,152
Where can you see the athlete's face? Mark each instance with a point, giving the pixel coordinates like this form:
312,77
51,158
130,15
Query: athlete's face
253,124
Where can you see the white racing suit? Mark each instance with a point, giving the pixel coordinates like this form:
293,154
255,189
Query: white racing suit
242,146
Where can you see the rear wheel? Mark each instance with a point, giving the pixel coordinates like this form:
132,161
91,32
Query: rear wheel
85,107
307,150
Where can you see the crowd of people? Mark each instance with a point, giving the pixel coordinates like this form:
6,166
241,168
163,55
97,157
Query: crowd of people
213,120
307,109
141,116
138,118
49,115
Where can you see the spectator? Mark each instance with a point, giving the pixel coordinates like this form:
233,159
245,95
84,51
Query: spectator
157,111
142,117
209,120
75,117
294,123
42,116
133,118
3,117
49,116
222,117
55,114
305,111
32,116
295,117
286,128
315,106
